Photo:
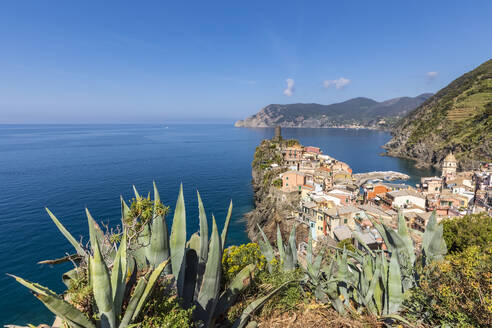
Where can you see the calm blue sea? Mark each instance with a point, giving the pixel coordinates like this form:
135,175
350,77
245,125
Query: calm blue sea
69,167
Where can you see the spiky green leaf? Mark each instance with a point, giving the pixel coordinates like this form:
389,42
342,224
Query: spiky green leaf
178,242
64,231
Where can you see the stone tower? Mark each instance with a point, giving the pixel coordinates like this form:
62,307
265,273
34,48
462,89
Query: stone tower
278,133
449,165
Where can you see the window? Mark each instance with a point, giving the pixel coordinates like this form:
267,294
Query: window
286,178
345,220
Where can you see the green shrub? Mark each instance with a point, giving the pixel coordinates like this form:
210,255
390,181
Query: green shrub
348,244
163,310
235,258
277,183
285,300
456,292
470,230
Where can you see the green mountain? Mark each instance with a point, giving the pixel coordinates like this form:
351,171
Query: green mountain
362,112
458,118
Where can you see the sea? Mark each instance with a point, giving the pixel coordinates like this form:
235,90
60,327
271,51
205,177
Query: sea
70,167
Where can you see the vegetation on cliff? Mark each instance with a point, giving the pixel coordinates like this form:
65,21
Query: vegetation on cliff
458,118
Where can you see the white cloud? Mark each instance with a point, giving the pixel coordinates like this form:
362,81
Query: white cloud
338,83
289,91
431,75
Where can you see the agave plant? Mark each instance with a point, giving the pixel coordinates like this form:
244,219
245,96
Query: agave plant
109,287
287,253
371,280
195,265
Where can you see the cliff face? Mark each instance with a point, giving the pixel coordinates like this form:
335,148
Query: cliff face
356,112
272,207
458,118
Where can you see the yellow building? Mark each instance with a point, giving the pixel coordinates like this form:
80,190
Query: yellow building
449,166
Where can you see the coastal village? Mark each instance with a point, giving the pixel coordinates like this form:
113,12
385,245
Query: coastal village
337,205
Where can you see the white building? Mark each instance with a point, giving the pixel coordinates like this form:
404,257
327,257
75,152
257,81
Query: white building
406,198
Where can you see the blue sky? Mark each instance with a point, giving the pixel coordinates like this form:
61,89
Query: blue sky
152,62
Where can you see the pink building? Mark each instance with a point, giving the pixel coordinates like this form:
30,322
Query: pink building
311,149
293,181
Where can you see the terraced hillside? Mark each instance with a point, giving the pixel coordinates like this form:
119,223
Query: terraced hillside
457,118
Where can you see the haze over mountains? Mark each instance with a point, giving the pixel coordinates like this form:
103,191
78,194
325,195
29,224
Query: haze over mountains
356,112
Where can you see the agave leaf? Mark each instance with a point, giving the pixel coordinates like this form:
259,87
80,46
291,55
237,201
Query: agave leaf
137,195
266,249
240,282
101,287
309,255
384,277
292,244
202,216
370,292
226,225
64,231
95,232
395,293
154,276
209,290
378,288
143,244
190,277
132,305
280,245
405,236
255,305
433,244
158,249
289,263
178,242
343,276
202,249
194,243
125,210
133,270
56,304
118,276
383,234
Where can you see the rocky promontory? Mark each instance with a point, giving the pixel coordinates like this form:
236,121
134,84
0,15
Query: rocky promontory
272,207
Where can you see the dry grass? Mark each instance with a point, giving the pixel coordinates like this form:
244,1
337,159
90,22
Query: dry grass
314,315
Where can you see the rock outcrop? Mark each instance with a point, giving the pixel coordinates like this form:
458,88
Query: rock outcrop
272,207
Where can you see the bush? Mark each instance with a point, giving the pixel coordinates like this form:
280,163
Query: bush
455,292
163,310
470,230
287,298
348,244
277,183
235,258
